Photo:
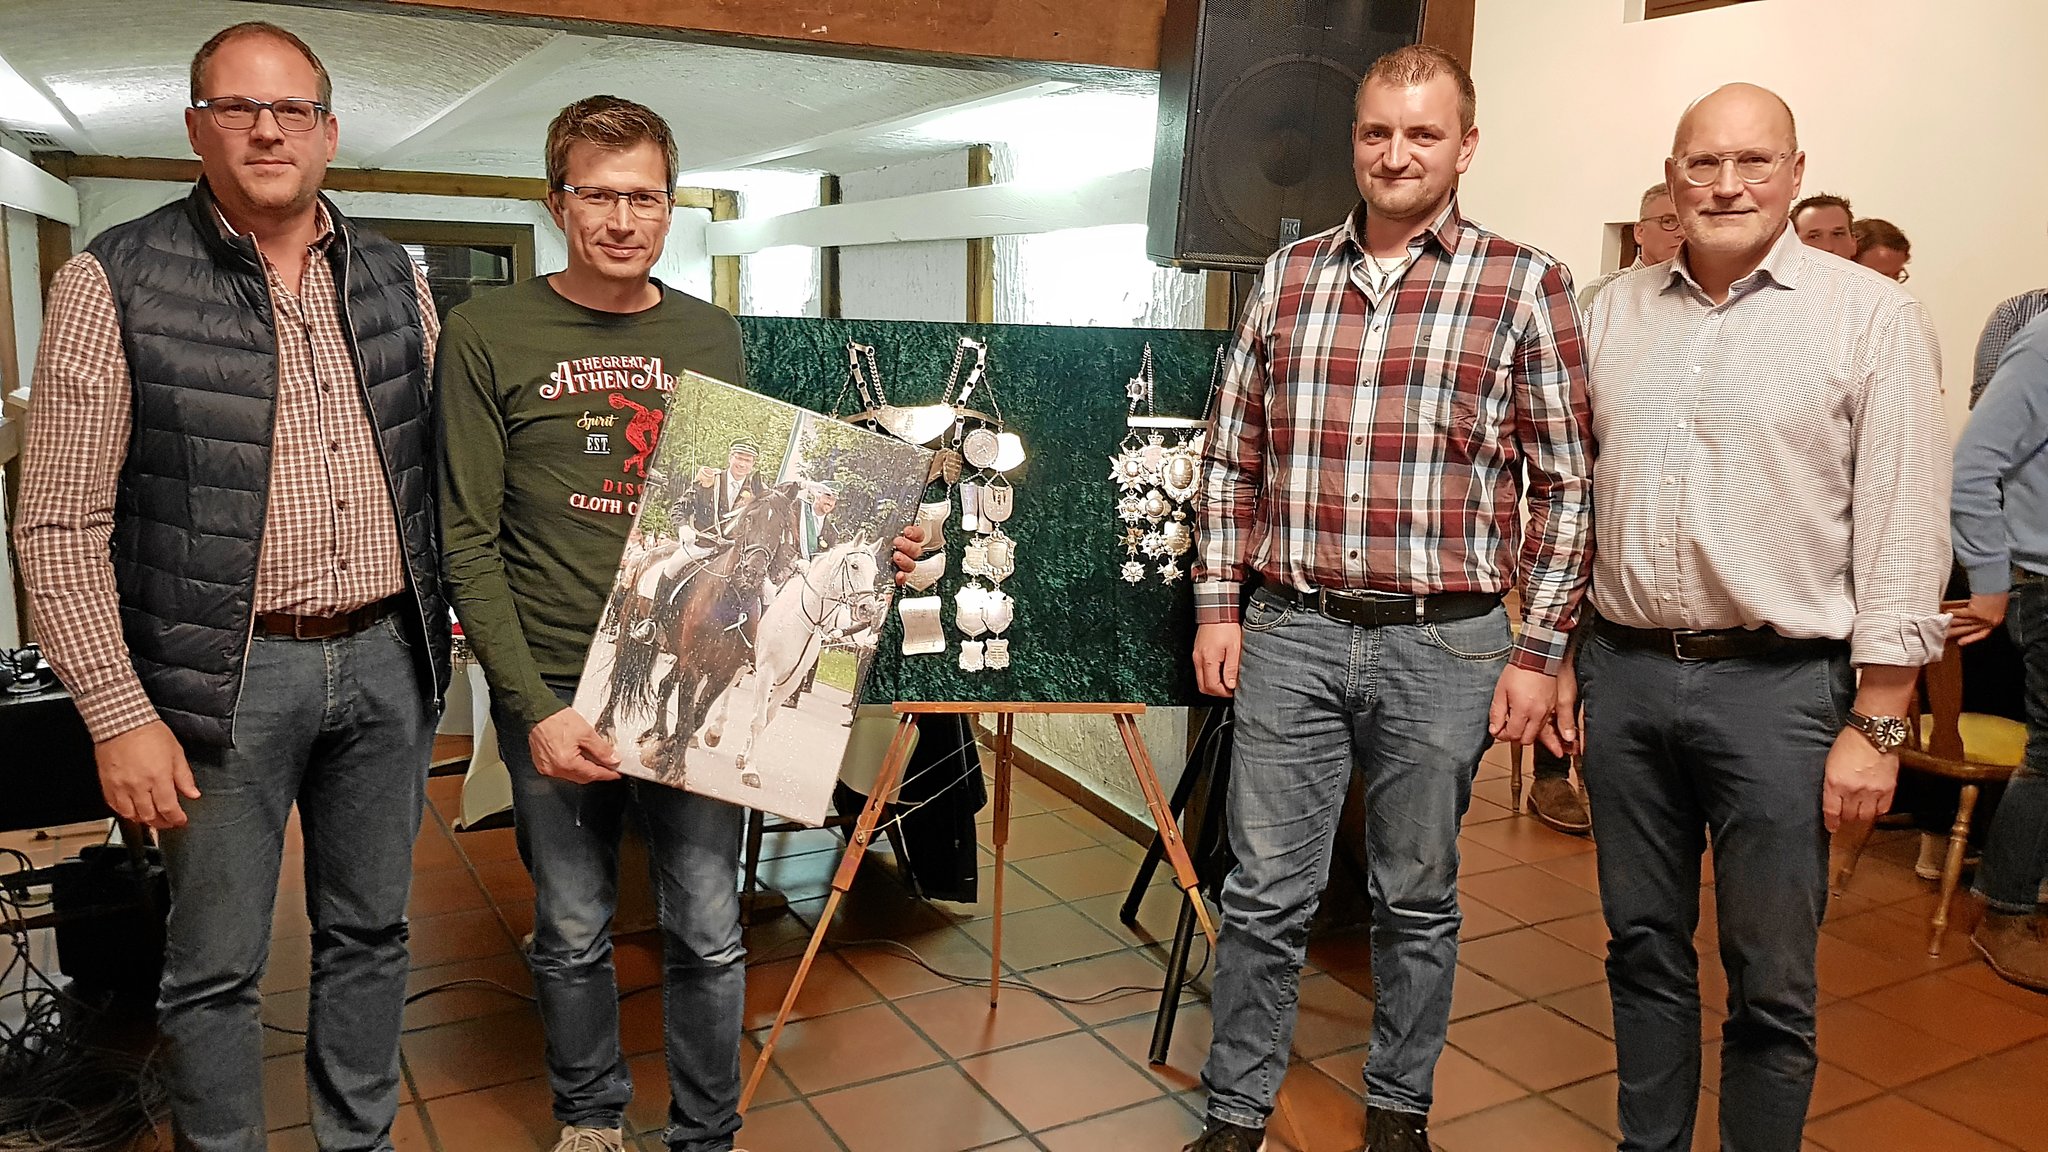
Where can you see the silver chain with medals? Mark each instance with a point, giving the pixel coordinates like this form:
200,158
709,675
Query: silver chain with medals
976,452
981,609
1156,481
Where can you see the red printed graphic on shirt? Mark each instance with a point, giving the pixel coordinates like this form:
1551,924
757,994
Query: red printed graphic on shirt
616,375
643,432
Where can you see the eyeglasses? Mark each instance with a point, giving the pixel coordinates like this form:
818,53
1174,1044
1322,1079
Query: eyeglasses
1667,222
647,203
1752,166
239,113
1904,275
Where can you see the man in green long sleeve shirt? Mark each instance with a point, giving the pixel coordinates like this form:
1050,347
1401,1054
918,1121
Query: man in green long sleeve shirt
552,395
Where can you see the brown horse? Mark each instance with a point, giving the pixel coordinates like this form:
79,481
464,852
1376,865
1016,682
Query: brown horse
705,618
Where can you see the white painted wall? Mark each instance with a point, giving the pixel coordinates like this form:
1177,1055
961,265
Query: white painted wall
919,281
24,289
1916,111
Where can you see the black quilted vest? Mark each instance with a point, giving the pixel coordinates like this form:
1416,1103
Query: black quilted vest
197,328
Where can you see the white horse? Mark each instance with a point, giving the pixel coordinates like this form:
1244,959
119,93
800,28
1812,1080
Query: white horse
820,601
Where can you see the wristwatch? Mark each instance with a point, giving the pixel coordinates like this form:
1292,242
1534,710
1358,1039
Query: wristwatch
1886,732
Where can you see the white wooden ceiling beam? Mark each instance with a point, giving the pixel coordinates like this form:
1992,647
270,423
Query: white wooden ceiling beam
859,133
29,188
954,214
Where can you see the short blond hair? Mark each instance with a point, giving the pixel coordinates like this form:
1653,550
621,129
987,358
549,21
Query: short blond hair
1413,64
609,122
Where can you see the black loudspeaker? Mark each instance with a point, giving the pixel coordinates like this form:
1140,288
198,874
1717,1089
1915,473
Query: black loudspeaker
1255,105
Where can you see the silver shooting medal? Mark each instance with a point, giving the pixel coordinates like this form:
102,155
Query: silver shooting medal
932,518
923,633
998,501
925,572
1002,556
970,605
980,447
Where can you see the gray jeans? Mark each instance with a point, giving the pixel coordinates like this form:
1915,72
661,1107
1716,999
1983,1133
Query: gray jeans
1317,699
325,725
1675,752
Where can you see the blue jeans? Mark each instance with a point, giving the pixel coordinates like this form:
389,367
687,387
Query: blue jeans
2016,852
1676,752
569,838
1317,699
326,725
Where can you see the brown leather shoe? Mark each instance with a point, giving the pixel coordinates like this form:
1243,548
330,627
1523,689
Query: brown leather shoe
2016,947
1559,805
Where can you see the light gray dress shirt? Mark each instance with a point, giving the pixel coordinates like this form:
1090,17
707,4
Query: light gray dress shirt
1780,459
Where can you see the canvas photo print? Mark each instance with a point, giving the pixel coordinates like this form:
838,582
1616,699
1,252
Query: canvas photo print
749,599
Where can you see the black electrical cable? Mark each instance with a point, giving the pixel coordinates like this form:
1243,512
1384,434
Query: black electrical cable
59,1090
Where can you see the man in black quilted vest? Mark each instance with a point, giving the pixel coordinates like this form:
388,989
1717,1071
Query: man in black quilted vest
229,541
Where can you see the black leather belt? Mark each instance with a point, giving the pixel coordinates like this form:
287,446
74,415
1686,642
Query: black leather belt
286,626
1374,610
1714,644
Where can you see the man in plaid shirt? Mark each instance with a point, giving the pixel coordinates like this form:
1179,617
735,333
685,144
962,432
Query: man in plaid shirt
228,537
1400,386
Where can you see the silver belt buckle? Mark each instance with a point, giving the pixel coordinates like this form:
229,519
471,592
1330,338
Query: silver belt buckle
1678,636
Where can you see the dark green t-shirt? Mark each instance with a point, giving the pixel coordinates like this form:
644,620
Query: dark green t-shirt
550,413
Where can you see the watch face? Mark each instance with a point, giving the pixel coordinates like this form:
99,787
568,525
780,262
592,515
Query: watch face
1887,732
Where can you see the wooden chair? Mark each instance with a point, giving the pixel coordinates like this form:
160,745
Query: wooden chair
1970,748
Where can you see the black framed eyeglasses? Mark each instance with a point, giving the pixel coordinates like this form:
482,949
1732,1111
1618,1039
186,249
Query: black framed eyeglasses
646,203
239,113
1667,222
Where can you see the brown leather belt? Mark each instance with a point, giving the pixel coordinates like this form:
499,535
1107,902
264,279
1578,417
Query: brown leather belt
1714,644
1372,610
285,626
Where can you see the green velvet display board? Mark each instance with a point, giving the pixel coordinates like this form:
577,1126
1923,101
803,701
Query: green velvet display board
1081,634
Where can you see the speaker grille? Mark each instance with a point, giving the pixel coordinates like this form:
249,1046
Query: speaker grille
1254,140
1281,142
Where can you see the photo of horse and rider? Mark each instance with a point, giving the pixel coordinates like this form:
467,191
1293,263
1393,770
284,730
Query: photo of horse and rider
749,599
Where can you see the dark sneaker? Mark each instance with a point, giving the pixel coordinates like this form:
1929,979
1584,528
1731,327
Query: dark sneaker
1387,1131
1558,804
1221,1136
2014,947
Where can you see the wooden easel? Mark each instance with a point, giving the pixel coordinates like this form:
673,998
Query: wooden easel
1126,718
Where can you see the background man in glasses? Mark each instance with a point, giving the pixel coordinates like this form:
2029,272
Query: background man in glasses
228,541
1882,247
1657,239
1770,501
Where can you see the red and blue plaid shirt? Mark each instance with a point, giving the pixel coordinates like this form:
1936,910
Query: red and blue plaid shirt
1386,443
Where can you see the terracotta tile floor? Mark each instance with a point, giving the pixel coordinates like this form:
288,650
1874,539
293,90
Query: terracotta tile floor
1918,1053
